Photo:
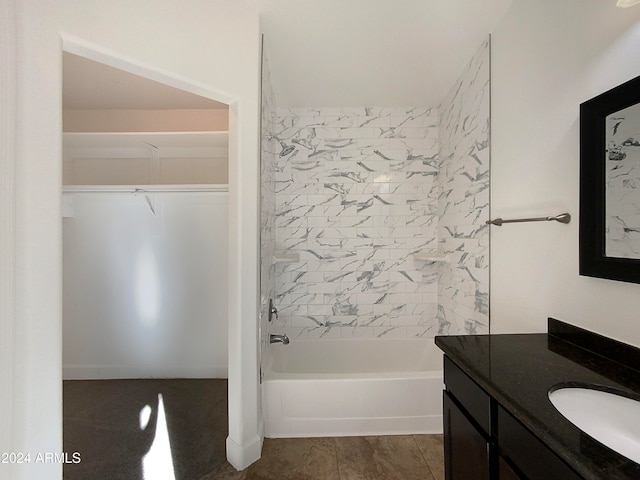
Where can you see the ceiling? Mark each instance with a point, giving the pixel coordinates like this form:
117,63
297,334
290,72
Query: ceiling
326,53
372,52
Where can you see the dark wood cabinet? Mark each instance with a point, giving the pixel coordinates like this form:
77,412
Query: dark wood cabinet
466,449
506,472
482,440
532,457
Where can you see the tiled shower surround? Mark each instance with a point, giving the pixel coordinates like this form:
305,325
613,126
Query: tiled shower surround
463,178
356,200
377,218
267,203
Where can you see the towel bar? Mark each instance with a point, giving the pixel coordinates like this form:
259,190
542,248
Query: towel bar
562,218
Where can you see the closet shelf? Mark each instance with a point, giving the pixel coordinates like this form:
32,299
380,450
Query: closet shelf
141,139
143,189
148,158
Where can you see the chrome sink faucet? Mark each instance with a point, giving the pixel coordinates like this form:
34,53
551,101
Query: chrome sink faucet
275,338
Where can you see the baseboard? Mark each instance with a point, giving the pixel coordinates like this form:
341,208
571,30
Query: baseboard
241,456
106,372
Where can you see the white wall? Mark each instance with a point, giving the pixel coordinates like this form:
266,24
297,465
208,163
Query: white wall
8,122
211,47
548,56
145,285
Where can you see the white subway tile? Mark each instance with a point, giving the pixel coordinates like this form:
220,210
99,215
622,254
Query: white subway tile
373,186
390,332
356,332
372,298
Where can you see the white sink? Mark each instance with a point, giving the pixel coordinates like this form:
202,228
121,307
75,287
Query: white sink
611,419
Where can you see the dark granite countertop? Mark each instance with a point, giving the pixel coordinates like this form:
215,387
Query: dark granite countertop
519,370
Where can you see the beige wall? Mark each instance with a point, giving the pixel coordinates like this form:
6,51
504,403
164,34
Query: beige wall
143,158
548,56
207,120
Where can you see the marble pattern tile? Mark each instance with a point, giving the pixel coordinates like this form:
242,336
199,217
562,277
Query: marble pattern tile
463,281
268,152
355,200
356,192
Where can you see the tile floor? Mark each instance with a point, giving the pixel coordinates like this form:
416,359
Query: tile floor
398,457
103,421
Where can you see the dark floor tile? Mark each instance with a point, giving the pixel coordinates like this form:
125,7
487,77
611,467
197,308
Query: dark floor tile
389,458
296,459
432,450
102,421
225,472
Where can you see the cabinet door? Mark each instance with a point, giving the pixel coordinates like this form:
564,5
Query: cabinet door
532,457
506,472
466,450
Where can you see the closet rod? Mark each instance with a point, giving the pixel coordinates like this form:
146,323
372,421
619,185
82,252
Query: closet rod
562,218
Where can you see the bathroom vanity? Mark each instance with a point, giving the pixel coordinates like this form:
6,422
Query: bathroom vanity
499,422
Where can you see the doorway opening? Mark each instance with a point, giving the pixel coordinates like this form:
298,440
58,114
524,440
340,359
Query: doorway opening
145,186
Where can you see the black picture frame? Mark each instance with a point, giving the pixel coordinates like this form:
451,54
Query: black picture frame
593,112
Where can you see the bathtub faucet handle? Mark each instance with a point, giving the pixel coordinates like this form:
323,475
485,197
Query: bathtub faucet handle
272,310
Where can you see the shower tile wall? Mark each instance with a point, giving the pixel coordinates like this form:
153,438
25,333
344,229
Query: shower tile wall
355,201
463,281
267,203
363,194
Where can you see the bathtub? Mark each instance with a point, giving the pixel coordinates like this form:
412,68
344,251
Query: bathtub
343,387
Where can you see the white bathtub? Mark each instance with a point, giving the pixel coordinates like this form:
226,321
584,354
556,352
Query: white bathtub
315,388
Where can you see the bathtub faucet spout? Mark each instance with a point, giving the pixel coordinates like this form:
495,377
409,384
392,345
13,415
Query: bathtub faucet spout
274,338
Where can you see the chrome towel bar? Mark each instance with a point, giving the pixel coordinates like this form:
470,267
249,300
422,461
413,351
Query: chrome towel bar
562,218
